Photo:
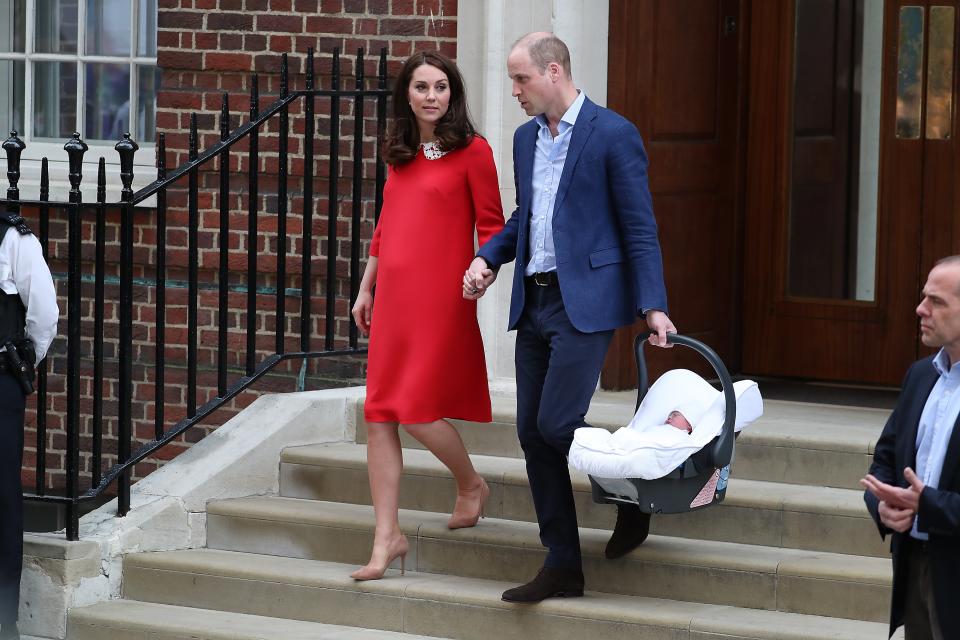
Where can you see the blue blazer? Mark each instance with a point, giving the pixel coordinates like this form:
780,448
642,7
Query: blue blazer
608,256
939,512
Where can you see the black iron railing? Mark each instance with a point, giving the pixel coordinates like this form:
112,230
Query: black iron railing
78,212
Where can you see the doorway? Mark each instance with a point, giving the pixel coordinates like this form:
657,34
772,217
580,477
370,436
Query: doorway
803,165
848,202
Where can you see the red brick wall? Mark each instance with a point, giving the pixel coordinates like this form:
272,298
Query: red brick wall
207,47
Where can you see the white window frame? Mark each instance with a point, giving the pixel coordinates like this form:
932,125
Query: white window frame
145,157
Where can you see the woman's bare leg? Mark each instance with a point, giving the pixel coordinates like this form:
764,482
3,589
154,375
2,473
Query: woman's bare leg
384,466
443,440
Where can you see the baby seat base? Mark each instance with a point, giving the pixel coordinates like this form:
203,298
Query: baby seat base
670,494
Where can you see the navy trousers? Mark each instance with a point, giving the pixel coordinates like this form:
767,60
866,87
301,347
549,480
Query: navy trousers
557,372
12,402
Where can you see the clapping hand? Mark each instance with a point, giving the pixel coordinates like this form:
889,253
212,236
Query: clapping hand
898,505
477,278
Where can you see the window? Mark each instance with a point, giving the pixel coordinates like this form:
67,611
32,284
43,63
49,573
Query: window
79,65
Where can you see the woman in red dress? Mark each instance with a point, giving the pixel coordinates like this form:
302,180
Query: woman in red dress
426,360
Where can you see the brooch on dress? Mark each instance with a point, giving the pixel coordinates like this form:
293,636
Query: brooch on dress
432,150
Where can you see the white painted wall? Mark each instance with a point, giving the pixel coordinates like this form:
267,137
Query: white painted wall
485,31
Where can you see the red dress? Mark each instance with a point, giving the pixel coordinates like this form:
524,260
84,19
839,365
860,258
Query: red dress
425,359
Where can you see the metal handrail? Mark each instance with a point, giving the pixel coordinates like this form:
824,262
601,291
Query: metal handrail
120,472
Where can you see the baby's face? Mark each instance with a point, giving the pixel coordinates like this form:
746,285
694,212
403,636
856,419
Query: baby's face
678,420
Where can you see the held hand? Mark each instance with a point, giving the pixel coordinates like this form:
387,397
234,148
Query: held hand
660,324
363,312
899,520
477,279
470,289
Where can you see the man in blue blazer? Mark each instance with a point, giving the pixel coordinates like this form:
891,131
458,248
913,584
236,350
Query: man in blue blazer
587,261
913,488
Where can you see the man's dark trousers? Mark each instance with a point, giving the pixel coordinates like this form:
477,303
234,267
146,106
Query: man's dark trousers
12,402
557,372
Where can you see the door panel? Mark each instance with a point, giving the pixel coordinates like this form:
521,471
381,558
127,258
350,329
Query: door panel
674,73
809,308
941,185
825,145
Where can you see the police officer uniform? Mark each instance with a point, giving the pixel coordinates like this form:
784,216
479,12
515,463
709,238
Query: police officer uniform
28,310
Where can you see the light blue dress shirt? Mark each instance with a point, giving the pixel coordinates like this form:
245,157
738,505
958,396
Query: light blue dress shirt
936,426
548,161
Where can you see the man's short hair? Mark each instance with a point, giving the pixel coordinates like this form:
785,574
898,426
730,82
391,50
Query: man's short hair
547,49
949,261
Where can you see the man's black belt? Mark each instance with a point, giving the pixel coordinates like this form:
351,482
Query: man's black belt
544,279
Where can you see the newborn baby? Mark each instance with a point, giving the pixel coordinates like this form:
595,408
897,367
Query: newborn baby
677,420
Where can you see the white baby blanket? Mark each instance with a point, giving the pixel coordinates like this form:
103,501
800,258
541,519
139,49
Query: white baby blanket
648,448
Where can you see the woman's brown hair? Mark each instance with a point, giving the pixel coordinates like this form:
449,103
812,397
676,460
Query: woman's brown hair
453,131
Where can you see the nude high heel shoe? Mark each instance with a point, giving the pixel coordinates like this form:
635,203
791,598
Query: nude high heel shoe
371,571
468,511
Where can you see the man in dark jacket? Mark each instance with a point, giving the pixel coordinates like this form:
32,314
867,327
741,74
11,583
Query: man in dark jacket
913,488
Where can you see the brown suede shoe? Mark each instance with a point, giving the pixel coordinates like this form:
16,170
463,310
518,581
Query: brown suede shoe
631,530
549,583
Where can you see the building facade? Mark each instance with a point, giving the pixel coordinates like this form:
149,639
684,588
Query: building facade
803,154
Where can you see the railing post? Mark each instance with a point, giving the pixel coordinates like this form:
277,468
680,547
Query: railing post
126,148
14,146
98,316
42,366
357,196
252,239
222,352
75,148
306,288
161,279
281,310
333,205
193,276
381,132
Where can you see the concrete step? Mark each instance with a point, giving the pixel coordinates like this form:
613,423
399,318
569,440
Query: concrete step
754,512
703,571
448,606
133,620
797,443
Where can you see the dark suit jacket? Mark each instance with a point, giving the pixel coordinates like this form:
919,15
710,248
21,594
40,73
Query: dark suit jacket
604,233
939,513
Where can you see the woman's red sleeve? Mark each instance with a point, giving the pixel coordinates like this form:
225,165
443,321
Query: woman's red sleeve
485,191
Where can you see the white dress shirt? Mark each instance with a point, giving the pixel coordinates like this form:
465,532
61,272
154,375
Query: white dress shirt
23,271
548,161
936,426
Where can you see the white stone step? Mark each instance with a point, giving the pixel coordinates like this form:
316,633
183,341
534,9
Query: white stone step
754,512
797,443
704,571
448,606
133,620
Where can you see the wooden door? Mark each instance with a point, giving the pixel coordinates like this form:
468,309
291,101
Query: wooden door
940,141
849,199
674,72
